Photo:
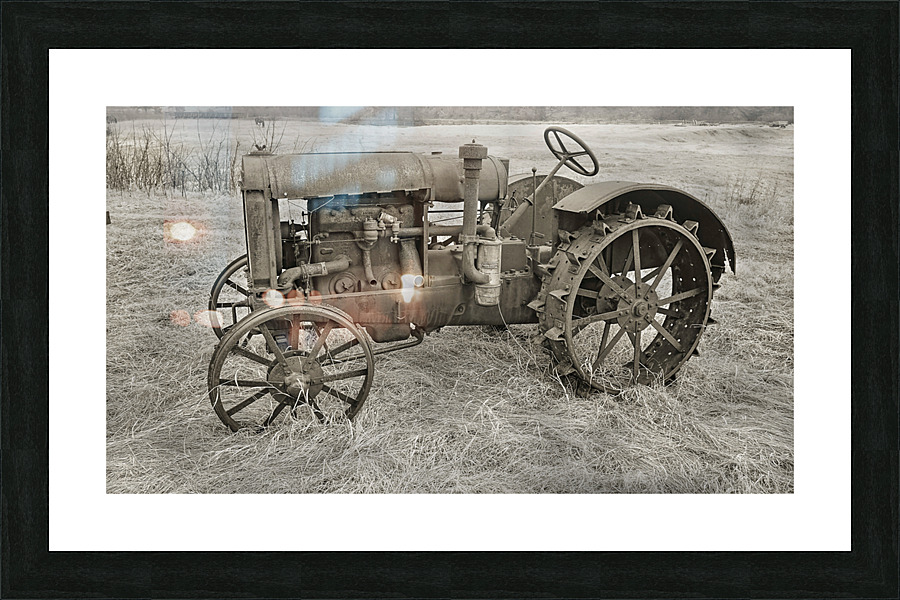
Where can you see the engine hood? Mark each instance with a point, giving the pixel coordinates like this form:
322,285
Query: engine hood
356,173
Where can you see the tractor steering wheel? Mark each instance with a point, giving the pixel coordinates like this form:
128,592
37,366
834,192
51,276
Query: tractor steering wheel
568,156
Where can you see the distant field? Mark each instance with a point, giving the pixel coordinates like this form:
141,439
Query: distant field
471,410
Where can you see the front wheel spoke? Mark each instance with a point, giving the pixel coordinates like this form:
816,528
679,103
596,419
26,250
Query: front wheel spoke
338,394
245,340
251,355
249,383
237,287
669,337
294,334
246,402
340,361
337,350
666,264
273,346
287,399
320,340
605,351
340,375
681,296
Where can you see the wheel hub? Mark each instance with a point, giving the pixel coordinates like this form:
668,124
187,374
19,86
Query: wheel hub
639,307
297,381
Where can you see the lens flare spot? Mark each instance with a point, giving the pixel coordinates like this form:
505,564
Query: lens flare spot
206,318
180,231
410,283
273,298
180,317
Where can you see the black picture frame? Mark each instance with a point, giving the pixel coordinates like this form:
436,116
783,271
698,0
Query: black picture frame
869,29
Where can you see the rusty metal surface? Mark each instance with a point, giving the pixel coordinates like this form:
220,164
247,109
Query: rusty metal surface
599,280
337,174
438,306
263,246
596,194
520,187
342,230
473,155
513,255
712,231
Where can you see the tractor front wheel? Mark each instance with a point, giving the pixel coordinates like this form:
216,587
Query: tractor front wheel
304,360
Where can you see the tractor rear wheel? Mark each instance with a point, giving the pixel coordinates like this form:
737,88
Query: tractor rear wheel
626,299
310,359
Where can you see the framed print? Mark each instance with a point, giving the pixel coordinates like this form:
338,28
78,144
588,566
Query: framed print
122,472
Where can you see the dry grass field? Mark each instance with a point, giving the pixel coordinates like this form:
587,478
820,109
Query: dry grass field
472,409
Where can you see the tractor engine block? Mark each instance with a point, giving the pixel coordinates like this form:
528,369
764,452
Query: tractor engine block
363,229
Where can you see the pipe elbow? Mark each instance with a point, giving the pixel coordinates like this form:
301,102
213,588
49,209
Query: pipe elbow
289,276
470,272
486,231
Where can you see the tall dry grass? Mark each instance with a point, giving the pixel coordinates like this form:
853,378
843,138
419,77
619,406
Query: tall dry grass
148,156
470,410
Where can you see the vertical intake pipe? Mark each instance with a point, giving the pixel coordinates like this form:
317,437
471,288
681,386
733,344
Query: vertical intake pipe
472,155
486,276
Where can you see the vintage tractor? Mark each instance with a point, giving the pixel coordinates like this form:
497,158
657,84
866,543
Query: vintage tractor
619,276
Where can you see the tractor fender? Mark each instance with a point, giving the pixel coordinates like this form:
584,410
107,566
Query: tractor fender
615,196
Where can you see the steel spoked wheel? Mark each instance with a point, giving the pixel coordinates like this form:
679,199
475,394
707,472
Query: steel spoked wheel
627,301
305,361
229,299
